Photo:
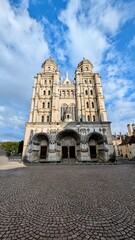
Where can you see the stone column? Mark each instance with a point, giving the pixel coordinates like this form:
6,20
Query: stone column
55,98
82,99
78,98
33,101
100,99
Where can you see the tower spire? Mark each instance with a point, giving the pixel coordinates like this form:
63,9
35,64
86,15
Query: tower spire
67,75
67,78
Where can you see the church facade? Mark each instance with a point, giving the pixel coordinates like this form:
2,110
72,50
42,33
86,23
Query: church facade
68,121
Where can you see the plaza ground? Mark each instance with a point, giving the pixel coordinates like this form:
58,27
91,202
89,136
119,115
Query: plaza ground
68,202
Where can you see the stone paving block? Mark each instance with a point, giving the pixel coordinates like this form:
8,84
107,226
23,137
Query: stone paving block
64,202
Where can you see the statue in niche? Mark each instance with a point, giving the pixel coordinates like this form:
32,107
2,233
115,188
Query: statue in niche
68,115
52,142
83,144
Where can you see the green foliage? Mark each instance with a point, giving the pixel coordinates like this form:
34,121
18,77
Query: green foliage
20,148
11,148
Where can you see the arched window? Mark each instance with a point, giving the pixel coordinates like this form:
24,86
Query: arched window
44,92
93,118
50,81
45,81
88,118
48,105
67,93
63,111
86,92
63,93
47,118
72,93
92,104
87,68
43,105
90,81
73,110
91,92
87,104
85,81
49,92
42,119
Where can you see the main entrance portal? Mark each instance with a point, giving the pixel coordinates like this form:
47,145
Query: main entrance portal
72,151
68,152
69,141
64,152
43,152
93,153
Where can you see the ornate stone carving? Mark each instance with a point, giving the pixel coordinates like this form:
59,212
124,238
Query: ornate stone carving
83,144
52,141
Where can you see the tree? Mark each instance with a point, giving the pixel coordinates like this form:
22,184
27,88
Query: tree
20,147
11,148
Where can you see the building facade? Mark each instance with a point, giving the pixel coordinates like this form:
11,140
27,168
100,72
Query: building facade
127,145
68,121
116,143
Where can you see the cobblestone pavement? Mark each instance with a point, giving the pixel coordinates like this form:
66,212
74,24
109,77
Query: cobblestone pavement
68,202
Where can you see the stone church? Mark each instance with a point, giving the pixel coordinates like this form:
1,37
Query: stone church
68,121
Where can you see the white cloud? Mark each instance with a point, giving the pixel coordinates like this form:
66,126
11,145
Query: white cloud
121,112
132,43
12,122
88,24
80,38
91,27
119,91
23,48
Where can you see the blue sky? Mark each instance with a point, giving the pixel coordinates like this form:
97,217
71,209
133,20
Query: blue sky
102,31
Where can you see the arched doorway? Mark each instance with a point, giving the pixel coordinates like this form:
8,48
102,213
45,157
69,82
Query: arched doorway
96,146
40,146
68,140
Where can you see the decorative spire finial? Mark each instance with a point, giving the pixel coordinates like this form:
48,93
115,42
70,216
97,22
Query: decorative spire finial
67,75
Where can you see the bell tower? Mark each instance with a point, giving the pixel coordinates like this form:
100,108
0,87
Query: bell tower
89,96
